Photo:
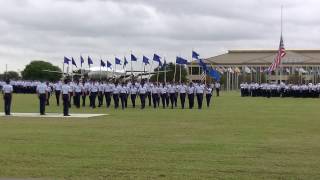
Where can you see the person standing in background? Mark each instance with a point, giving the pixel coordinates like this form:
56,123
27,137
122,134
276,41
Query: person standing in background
7,90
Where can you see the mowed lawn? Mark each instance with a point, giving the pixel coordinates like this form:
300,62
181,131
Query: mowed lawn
236,138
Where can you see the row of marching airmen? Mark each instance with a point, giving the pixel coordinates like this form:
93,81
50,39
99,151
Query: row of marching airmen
166,94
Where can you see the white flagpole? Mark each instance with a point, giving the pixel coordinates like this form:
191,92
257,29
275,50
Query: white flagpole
180,73
165,71
281,68
62,70
150,71
175,71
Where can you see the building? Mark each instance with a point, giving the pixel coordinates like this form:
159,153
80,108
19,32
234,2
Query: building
235,64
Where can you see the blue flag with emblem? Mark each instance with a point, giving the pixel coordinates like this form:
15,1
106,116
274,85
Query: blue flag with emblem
117,61
74,62
81,60
181,61
66,60
195,55
145,60
102,63
109,64
213,73
125,62
89,61
133,58
157,58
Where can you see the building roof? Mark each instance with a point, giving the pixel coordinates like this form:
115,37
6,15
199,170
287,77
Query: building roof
265,57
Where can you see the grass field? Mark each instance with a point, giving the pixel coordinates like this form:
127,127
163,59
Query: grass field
237,138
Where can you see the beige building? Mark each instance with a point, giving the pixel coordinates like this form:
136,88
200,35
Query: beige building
304,64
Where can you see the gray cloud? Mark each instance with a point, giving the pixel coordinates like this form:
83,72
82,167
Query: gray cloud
51,29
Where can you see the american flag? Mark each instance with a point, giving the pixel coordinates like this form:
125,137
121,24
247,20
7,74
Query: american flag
277,60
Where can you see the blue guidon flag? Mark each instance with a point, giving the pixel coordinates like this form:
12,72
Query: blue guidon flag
102,63
66,60
89,61
117,61
145,60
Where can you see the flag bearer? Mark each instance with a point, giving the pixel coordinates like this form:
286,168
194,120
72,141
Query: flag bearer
42,95
7,90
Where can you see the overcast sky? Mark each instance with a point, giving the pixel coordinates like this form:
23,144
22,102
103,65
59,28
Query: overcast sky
51,29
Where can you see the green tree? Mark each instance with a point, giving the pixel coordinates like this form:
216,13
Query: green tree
41,70
170,73
10,75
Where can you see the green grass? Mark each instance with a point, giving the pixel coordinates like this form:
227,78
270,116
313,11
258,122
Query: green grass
237,138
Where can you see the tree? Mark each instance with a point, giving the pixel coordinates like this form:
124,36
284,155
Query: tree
10,75
36,70
170,73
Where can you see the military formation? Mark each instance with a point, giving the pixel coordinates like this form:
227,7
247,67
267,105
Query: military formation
112,93
280,90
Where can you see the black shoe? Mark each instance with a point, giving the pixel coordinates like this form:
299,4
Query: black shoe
67,115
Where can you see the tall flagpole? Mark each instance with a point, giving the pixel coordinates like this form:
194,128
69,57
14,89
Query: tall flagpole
62,70
175,71
150,71
281,68
165,70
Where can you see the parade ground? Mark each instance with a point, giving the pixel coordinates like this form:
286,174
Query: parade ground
236,138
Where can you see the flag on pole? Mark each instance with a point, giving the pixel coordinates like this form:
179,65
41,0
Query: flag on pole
145,60
81,60
74,62
102,63
109,64
195,55
125,62
181,61
89,61
66,60
117,61
277,60
157,58
133,58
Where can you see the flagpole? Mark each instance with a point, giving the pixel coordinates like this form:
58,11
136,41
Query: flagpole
131,64
281,68
62,70
165,71
175,71
150,71
180,73
190,75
